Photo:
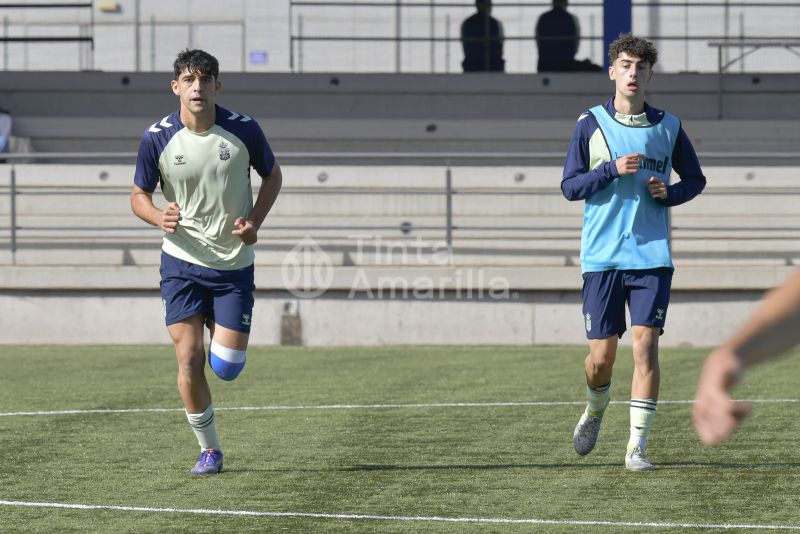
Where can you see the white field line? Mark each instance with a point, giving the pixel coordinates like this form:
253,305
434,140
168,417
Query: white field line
371,517
361,407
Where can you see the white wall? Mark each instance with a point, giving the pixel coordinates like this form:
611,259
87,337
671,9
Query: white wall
229,30
695,319
234,29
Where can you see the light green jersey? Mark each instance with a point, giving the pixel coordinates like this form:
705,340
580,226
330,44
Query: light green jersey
208,175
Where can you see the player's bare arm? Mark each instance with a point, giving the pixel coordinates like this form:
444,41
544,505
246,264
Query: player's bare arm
247,228
628,164
716,416
774,329
142,205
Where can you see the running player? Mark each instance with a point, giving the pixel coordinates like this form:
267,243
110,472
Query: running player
619,162
201,155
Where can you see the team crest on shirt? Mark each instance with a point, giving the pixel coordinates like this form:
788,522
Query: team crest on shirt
179,159
224,151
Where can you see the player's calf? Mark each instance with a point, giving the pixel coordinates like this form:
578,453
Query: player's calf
227,363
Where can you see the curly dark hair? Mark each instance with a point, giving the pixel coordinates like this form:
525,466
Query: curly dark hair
634,46
197,61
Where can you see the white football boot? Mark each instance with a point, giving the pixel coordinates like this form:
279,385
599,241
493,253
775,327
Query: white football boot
586,431
636,460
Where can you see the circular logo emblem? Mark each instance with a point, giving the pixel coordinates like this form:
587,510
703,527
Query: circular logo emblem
307,270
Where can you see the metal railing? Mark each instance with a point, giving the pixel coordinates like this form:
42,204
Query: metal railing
15,189
746,47
549,234
85,58
407,27
441,19
147,33
298,37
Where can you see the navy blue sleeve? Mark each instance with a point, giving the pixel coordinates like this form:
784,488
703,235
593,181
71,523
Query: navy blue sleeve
147,174
580,183
687,166
261,157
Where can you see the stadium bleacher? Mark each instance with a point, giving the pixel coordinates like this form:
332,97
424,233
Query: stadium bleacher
101,112
353,185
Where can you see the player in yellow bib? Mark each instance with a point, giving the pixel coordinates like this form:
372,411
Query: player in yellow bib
201,156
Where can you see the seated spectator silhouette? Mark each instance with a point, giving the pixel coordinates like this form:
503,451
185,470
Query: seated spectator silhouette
558,34
482,39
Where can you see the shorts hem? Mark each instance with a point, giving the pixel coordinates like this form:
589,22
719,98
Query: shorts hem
237,328
182,317
659,326
601,336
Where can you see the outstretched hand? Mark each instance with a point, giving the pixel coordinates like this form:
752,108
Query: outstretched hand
245,230
716,416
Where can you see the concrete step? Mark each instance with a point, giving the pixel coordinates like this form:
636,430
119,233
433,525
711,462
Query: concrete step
386,253
354,278
57,133
492,175
410,203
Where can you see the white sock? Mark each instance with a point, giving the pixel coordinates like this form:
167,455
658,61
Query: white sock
643,413
205,428
598,399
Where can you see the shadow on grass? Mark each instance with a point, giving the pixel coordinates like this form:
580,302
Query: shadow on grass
710,465
497,467
471,467
446,467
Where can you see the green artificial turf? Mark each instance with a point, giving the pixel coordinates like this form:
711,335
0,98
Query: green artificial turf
379,431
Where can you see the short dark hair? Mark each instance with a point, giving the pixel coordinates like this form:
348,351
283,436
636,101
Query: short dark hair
634,46
197,61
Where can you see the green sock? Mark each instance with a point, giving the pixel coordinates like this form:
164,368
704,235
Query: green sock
643,413
598,399
205,428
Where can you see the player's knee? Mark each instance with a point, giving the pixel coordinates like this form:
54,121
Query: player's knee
645,348
602,359
190,359
227,363
602,366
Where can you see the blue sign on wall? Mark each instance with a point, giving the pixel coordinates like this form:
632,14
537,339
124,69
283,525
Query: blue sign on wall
259,57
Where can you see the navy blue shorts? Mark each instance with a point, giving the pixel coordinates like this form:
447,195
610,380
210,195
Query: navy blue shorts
224,297
605,294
